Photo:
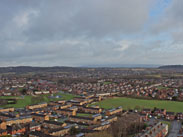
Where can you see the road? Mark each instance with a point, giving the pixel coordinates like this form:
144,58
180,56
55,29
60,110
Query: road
174,130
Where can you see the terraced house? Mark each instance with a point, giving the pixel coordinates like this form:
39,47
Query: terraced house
16,128
66,112
158,130
59,131
3,132
2,124
37,106
7,109
91,110
170,115
81,119
53,124
65,106
114,111
19,120
103,126
39,117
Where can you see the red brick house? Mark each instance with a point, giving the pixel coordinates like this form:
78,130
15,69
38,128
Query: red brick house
39,117
179,116
160,112
3,132
170,115
2,125
33,126
144,117
16,128
146,111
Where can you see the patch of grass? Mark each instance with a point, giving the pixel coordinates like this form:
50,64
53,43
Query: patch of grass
107,82
65,96
84,114
130,103
168,123
9,97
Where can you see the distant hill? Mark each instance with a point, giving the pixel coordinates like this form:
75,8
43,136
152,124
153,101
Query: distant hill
25,69
171,67
123,66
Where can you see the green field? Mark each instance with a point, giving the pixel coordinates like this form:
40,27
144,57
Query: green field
28,100
130,103
21,102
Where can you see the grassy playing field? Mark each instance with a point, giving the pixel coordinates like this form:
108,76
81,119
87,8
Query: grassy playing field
23,101
129,103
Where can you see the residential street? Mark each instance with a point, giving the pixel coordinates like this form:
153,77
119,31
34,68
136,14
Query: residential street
174,130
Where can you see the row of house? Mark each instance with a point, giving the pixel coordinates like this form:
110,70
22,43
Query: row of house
10,86
57,118
7,109
163,114
41,105
157,130
114,111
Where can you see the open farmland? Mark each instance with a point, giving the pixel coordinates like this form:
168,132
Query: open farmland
130,103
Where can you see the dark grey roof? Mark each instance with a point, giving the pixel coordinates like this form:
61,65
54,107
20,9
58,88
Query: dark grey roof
39,134
53,122
40,115
56,130
80,117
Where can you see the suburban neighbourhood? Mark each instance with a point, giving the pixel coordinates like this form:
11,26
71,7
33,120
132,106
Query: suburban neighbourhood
79,103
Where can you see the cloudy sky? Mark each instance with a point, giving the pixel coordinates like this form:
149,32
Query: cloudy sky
90,32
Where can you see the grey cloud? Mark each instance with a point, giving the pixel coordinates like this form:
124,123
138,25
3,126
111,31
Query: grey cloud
79,32
96,18
172,18
68,32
